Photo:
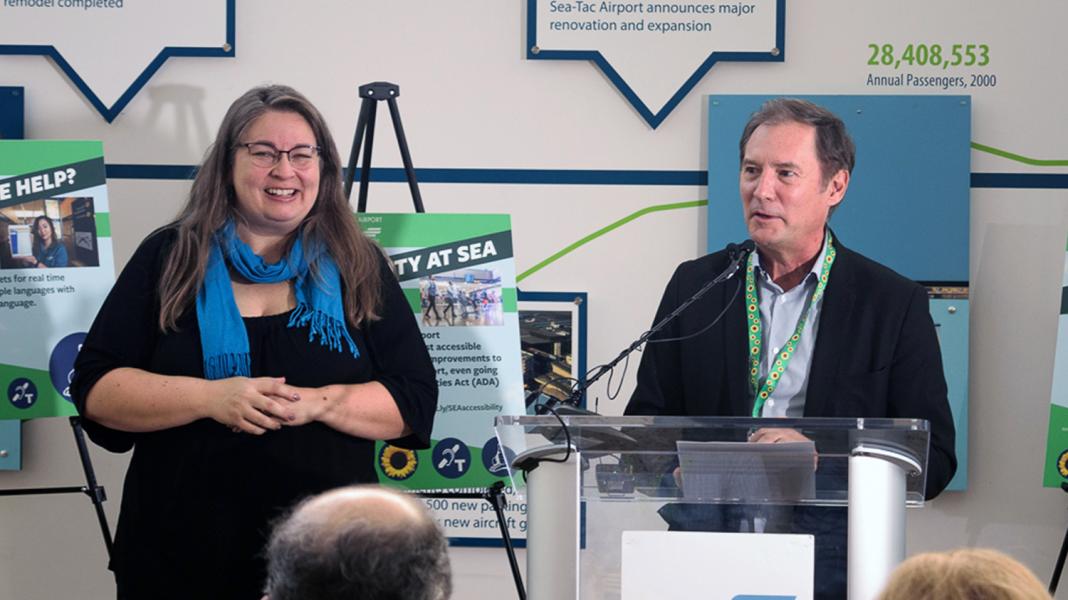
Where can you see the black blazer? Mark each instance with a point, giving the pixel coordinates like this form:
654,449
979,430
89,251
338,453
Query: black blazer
877,354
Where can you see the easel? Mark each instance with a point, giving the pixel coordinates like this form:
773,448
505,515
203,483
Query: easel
13,129
372,93
1060,558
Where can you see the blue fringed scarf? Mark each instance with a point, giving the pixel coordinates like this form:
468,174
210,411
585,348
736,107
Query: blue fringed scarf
223,338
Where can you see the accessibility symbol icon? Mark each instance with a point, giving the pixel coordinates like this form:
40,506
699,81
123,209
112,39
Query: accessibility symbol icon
452,458
22,393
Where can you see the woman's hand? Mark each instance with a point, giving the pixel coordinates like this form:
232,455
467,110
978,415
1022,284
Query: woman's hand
254,405
365,410
312,404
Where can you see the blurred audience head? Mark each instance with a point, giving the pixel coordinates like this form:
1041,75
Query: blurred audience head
964,574
360,542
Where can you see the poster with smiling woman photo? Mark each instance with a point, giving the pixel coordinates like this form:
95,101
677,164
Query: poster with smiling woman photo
55,268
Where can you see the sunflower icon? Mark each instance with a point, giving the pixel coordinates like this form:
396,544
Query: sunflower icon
1062,464
397,463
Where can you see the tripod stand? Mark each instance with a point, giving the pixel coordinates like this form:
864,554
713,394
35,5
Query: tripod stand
1060,558
95,491
372,94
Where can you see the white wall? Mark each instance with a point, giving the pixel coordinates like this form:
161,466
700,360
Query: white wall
470,99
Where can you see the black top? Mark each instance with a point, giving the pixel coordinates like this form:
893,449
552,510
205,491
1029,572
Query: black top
198,499
876,354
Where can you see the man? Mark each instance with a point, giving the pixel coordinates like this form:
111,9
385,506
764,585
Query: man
358,543
866,344
432,301
450,303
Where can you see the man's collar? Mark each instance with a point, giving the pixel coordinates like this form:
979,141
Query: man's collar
813,273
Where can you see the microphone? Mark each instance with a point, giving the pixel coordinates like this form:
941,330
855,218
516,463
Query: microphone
737,254
743,250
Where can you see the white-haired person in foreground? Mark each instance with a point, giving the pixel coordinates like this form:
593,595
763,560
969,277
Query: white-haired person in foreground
964,574
359,542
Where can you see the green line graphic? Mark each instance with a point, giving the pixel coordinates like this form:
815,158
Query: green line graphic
596,234
1035,162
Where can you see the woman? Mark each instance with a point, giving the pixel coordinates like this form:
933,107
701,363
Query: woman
964,574
250,354
48,251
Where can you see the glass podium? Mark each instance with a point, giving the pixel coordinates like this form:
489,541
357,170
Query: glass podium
591,481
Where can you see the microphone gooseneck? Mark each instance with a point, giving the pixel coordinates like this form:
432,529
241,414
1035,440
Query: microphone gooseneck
736,254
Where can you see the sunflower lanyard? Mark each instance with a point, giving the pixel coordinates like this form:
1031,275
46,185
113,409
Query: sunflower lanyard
753,315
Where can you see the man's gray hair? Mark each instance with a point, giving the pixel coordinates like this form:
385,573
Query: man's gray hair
358,551
834,148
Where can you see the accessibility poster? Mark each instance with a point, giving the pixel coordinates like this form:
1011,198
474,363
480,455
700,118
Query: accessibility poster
56,268
1056,467
458,273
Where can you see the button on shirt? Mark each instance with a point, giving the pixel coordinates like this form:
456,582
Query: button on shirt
779,313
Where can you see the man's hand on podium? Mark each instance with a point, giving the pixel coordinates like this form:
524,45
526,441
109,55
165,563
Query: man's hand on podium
765,435
776,435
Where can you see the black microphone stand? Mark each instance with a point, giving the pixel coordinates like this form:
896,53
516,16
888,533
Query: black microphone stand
494,494
570,406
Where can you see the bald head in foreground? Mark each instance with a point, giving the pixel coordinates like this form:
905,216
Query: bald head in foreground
364,542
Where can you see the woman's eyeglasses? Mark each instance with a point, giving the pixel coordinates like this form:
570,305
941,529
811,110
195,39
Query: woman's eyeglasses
266,155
